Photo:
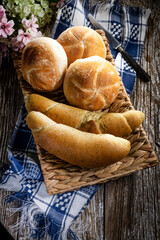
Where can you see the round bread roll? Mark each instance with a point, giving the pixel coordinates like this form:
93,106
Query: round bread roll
44,64
91,83
81,42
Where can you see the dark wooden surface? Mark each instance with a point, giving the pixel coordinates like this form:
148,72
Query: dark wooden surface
129,207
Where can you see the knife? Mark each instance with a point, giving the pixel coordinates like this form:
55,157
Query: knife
117,45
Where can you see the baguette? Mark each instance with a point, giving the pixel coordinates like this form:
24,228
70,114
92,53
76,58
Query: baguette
84,149
117,124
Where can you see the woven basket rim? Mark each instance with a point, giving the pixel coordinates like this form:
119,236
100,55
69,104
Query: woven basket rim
59,176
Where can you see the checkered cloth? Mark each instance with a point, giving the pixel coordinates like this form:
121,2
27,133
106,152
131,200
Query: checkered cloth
55,214
24,176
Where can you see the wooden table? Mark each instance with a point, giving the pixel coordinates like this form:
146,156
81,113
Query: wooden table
127,208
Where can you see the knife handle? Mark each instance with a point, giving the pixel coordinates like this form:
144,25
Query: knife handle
139,71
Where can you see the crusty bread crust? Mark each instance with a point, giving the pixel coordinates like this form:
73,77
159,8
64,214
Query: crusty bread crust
117,124
44,64
74,146
81,42
58,112
91,83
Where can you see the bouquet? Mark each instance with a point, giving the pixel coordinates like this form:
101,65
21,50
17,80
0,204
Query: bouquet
21,20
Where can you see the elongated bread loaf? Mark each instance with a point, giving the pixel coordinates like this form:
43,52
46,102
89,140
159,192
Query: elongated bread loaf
118,124
59,112
87,150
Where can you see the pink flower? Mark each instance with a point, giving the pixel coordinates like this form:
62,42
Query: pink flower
2,12
38,34
24,37
25,23
30,25
33,22
6,28
17,45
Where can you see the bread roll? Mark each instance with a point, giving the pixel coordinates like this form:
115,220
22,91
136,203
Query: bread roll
81,42
44,63
117,124
120,124
91,83
74,146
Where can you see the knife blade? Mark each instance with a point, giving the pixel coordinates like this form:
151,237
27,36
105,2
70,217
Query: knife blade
117,45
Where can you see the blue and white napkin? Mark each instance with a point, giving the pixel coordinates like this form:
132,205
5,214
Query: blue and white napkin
45,213
55,214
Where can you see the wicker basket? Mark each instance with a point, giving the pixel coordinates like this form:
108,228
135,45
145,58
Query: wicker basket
60,176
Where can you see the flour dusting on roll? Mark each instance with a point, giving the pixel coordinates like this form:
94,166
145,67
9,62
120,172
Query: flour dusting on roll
91,83
44,64
81,42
